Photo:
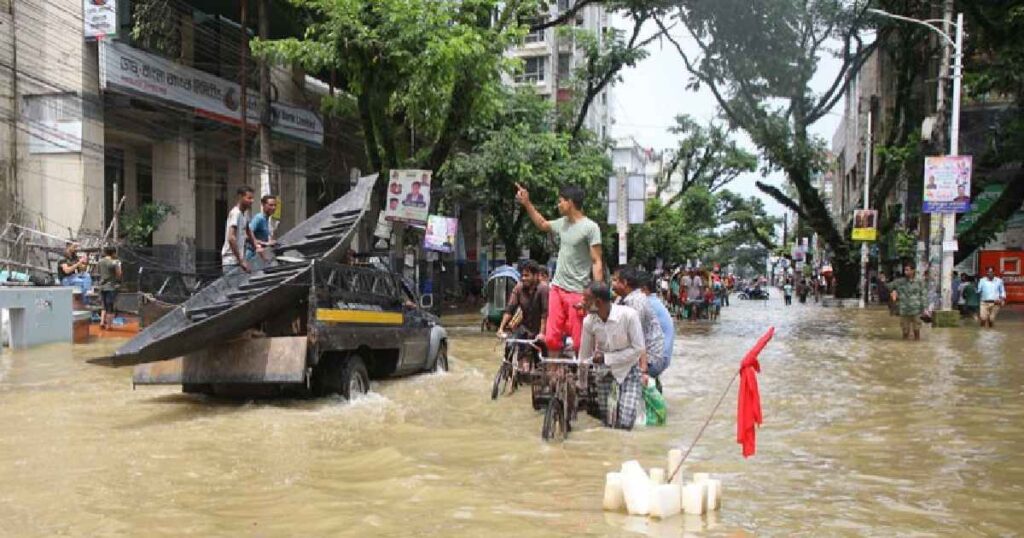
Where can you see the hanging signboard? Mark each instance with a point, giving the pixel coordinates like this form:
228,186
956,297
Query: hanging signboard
947,184
636,192
408,196
865,225
129,70
441,233
99,18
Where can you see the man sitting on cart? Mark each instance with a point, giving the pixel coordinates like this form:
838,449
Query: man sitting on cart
527,310
612,336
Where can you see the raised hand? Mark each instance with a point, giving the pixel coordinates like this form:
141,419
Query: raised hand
522,195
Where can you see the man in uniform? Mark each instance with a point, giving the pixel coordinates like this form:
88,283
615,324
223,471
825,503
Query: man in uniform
911,295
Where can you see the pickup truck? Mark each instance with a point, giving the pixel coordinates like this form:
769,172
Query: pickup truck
355,324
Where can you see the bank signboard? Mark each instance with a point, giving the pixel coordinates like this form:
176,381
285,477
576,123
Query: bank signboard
129,70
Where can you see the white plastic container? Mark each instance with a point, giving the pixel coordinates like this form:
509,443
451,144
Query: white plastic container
695,498
675,459
665,501
714,493
636,489
657,476
613,499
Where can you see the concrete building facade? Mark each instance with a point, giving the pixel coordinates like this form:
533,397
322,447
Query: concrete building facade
83,117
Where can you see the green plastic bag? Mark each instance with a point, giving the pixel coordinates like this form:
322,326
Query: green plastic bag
654,402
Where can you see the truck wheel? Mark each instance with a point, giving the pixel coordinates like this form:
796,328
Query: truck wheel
441,362
353,378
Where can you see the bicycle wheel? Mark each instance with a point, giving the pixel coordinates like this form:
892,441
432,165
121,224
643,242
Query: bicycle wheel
555,427
501,380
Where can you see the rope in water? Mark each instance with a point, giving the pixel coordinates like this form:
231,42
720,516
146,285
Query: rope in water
702,428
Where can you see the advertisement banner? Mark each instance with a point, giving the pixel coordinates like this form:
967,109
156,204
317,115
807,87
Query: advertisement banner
408,196
947,184
99,18
441,233
865,225
129,70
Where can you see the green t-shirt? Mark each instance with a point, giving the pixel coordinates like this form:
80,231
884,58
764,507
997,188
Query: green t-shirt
971,295
573,272
108,274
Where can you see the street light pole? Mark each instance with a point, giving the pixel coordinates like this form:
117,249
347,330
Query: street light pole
867,191
948,220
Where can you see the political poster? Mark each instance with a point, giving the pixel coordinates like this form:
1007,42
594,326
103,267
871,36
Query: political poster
865,225
441,234
408,196
947,184
99,18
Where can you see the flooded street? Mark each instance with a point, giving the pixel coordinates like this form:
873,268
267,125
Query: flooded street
864,434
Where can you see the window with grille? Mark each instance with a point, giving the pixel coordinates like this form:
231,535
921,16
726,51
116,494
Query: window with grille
564,65
533,69
535,36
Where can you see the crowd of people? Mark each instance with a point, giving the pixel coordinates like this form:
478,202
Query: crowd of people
694,293
621,320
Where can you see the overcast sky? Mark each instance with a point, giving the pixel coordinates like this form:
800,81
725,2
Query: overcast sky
650,95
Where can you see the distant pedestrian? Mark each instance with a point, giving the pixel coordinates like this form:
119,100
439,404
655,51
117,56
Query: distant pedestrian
787,292
110,282
237,232
801,290
972,299
993,296
911,295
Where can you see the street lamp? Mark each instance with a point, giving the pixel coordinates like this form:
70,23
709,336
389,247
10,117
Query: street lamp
948,219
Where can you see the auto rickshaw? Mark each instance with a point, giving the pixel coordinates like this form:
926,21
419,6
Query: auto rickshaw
497,291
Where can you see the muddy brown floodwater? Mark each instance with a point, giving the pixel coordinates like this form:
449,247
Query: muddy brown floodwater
864,434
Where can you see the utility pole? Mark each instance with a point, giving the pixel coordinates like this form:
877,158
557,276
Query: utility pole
242,82
266,151
622,222
949,219
867,192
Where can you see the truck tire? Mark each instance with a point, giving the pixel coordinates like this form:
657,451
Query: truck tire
353,379
441,361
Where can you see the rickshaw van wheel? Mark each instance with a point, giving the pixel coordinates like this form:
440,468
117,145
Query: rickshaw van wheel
555,426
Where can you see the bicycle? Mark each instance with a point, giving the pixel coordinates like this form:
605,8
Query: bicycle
511,373
570,386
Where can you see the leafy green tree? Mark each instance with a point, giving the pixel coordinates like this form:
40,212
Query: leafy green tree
706,156
138,227
521,146
421,71
758,60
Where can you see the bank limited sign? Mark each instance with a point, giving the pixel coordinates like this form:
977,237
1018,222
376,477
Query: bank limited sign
129,70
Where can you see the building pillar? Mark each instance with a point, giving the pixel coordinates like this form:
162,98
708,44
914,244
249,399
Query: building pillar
174,183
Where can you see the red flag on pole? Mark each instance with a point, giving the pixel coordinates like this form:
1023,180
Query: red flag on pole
748,409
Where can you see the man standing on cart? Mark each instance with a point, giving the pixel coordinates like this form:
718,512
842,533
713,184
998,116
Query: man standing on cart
612,336
579,260
527,310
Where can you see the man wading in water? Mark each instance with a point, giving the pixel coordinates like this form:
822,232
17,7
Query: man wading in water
612,336
579,259
911,296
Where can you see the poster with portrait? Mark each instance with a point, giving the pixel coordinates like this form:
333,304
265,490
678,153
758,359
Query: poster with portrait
99,18
865,225
408,196
947,184
441,234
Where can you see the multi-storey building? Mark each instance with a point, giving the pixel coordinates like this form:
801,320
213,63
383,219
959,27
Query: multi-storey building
87,112
550,58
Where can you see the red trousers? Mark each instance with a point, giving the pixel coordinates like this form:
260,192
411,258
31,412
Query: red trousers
563,318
